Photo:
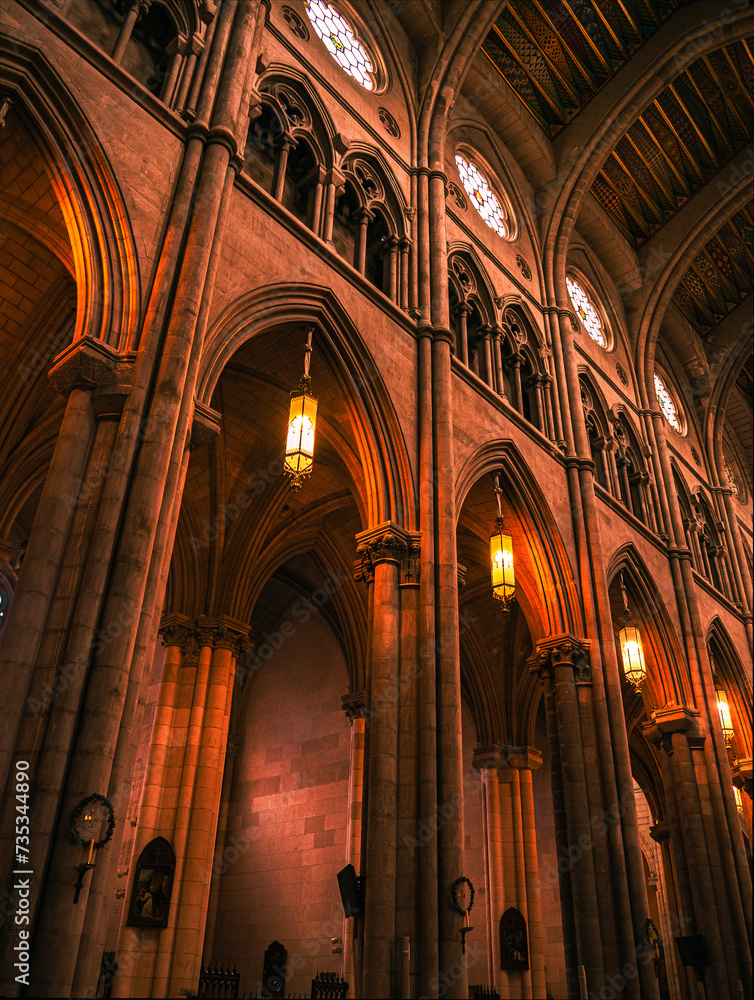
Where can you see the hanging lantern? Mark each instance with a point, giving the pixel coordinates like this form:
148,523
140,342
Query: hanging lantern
501,556
302,421
629,637
739,799
726,722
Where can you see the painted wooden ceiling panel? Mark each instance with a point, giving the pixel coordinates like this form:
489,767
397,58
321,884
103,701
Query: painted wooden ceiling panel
557,55
721,276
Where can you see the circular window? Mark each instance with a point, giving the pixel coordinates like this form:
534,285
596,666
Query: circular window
339,40
667,404
483,198
587,312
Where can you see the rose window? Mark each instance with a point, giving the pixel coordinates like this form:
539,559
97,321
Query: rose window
338,38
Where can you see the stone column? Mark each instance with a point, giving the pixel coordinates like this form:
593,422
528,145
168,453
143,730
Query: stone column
362,216
404,248
390,251
487,760
176,50
489,370
672,727
191,51
559,657
669,907
134,13
354,705
225,638
498,352
409,840
514,366
527,760
284,143
461,312
316,180
381,550
234,745
335,184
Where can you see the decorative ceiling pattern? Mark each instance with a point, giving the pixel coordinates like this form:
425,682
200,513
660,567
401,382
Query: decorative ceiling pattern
557,55
721,276
694,128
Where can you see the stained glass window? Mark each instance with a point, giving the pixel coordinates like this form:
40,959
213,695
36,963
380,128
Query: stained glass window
587,312
338,37
666,404
482,196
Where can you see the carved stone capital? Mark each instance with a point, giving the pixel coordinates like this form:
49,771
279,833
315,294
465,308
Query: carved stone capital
388,543
354,705
85,364
563,650
178,630
224,633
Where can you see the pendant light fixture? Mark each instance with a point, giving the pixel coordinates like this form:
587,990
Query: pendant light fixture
726,722
630,644
501,556
302,421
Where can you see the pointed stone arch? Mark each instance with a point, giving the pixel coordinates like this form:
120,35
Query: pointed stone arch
104,252
552,605
667,674
381,445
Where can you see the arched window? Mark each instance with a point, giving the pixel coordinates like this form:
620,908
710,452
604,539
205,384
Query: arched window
147,56
483,198
340,41
667,404
472,314
367,227
290,147
587,312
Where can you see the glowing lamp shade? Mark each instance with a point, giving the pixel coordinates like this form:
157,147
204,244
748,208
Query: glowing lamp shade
299,446
726,722
501,564
633,655
739,799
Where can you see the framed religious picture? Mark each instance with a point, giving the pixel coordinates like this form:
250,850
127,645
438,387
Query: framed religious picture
514,944
152,886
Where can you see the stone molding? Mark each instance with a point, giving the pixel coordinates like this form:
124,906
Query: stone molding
660,832
674,719
389,543
354,705
205,426
498,756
